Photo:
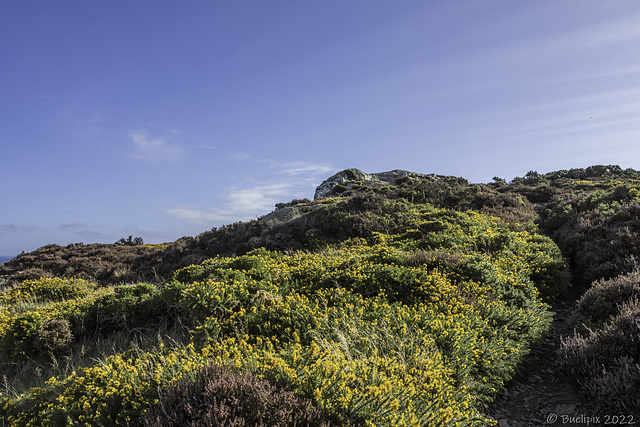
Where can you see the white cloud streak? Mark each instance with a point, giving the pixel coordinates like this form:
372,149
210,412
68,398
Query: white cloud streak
289,179
155,150
244,204
309,169
13,228
85,230
306,168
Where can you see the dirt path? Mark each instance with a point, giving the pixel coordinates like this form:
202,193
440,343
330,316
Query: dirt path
542,394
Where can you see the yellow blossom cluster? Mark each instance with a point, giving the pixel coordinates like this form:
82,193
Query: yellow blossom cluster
422,327
26,308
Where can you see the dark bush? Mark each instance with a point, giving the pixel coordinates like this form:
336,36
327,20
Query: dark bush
130,241
221,397
53,336
606,362
129,307
605,298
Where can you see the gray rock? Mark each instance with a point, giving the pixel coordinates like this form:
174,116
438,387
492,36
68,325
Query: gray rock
255,242
534,378
565,409
503,423
351,178
312,232
286,214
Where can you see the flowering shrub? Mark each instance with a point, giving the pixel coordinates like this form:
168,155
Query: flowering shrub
30,314
45,290
420,327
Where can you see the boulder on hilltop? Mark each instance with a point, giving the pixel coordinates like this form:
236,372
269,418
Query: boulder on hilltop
350,179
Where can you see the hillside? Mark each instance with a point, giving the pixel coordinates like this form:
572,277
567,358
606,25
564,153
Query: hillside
394,298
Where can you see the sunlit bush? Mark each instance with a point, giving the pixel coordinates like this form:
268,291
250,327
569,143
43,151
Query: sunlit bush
419,327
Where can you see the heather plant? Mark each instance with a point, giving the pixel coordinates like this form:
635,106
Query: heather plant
606,361
53,336
594,220
98,263
605,298
219,396
592,214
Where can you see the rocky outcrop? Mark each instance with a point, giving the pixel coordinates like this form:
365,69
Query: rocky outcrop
286,214
350,179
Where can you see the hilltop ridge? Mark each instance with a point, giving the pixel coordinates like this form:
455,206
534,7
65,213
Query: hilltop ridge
382,240
355,179
548,200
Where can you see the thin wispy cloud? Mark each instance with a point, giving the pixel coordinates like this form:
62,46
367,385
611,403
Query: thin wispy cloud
243,204
607,34
258,198
307,168
286,168
205,147
286,180
13,228
151,149
193,214
606,109
84,230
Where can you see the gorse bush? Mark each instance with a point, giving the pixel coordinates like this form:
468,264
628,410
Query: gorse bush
400,304
46,290
38,314
420,327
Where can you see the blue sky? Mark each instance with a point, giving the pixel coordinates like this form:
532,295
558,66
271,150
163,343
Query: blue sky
162,119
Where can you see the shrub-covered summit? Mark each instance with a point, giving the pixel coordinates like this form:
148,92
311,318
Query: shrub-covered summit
421,325
391,299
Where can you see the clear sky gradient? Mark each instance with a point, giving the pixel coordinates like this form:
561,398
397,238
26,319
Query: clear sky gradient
162,119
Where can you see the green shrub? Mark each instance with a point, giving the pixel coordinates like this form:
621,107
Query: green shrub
46,290
125,308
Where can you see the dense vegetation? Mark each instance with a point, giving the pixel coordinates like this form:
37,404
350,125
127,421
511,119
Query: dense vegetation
406,304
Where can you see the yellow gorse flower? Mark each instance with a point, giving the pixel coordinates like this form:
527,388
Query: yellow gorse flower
413,328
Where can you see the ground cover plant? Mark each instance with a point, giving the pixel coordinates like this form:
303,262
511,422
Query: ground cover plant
592,214
421,326
403,304
604,352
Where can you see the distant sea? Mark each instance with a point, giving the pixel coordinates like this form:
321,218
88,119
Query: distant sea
5,258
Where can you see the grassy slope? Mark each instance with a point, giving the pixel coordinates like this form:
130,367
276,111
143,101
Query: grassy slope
390,303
